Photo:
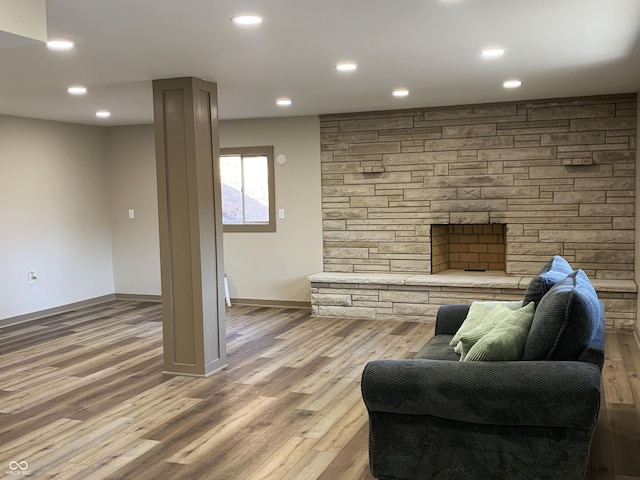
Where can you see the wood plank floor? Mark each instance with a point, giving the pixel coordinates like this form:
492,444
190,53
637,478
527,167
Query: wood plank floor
83,396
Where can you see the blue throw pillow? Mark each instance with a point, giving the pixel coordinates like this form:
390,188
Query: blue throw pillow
552,272
564,321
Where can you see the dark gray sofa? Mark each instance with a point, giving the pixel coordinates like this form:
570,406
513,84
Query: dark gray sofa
433,417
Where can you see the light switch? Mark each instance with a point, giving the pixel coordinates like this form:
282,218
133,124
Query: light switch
281,213
131,213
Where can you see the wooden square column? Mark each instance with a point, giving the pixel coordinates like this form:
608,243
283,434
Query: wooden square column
190,218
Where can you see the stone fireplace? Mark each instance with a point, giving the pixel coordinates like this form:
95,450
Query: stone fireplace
468,248
556,176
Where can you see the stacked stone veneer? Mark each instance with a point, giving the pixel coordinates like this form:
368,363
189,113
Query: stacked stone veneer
560,174
406,297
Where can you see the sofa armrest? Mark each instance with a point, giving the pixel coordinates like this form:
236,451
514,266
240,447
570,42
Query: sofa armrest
536,393
449,318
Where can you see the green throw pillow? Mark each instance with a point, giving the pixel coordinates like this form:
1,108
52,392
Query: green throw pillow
506,340
477,312
471,337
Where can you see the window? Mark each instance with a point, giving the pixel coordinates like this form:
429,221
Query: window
248,189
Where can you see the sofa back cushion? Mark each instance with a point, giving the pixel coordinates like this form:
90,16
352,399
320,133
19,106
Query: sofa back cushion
594,353
564,321
552,272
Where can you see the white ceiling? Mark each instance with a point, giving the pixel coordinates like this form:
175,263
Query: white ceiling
557,48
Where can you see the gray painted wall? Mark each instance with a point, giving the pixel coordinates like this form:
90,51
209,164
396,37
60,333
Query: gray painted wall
54,213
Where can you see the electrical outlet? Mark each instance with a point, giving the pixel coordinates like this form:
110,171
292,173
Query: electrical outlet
32,277
281,213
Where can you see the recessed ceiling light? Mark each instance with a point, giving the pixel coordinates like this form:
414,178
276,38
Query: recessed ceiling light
400,92
103,114
60,45
512,84
77,90
283,102
247,19
493,52
346,66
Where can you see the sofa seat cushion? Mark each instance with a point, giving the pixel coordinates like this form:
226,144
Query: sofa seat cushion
438,348
551,273
564,321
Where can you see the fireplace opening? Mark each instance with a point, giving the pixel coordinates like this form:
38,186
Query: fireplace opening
468,248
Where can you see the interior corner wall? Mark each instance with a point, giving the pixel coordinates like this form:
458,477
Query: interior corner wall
275,266
54,215
132,186
637,253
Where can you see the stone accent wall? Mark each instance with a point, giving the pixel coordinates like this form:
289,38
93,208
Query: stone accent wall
560,174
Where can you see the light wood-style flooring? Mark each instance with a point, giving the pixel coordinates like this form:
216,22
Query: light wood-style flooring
83,396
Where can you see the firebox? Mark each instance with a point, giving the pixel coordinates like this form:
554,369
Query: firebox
470,248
